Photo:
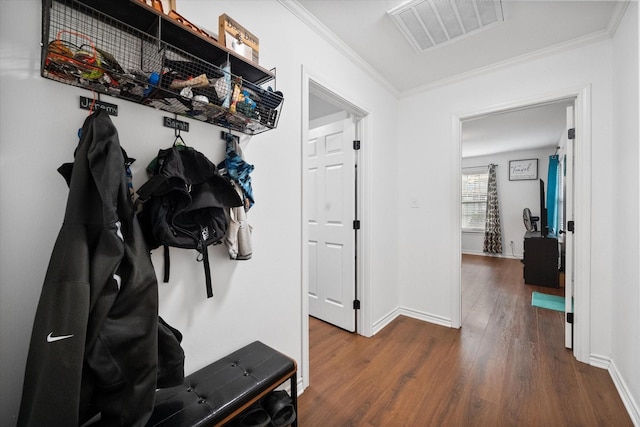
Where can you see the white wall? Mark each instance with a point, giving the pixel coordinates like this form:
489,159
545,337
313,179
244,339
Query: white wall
428,235
256,299
513,197
624,229
614,294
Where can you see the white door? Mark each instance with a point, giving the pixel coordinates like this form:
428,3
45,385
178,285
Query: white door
331,205
567,227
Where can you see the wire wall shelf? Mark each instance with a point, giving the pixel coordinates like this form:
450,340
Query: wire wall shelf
122,48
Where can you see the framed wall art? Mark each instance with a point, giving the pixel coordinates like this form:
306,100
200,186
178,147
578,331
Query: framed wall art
525,169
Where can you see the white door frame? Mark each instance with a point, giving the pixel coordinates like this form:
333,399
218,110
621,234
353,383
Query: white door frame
310,79
582,208
569,243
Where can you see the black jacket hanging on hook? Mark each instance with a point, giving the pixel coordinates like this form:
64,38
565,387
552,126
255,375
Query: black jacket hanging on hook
94,345
184,204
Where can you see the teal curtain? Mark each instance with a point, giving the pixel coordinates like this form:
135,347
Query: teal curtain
553,193
492,229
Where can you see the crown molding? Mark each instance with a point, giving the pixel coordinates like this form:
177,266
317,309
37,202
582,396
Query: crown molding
541,53
616,17
319,28
313,23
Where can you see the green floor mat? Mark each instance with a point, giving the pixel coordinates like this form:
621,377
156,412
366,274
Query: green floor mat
551,302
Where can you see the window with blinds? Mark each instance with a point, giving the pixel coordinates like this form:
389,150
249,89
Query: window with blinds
474,198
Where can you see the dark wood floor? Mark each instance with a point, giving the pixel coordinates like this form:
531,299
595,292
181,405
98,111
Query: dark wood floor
506,366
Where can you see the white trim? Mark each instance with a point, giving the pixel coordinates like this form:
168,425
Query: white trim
319,28
424,316
604,362
304,232
625,394
599,361
582,97
616,17
456,247
365,196
414,314
541,53
301,387
582,217
385,320
480,253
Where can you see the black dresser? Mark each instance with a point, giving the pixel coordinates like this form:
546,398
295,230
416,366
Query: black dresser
541,260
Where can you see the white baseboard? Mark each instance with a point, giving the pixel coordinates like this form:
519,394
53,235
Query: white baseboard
415,314
427,317
469,252
300,387
625,394
604,362
385,320
599,361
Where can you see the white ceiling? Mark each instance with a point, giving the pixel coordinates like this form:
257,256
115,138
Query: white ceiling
362,30
529,27
523,129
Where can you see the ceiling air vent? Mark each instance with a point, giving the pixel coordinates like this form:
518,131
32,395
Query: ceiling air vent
430,23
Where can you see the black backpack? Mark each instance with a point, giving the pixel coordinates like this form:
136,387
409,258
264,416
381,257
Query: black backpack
184,204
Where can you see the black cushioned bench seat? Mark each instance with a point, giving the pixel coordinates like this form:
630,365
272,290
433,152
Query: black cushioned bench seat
217,393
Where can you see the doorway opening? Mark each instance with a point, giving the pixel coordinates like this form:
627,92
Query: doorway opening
506,139
331,196
580,98
334,214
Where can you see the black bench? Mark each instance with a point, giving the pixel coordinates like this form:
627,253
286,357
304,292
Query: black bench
219,392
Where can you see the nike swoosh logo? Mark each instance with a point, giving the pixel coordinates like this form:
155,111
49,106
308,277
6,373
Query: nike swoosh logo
51,338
